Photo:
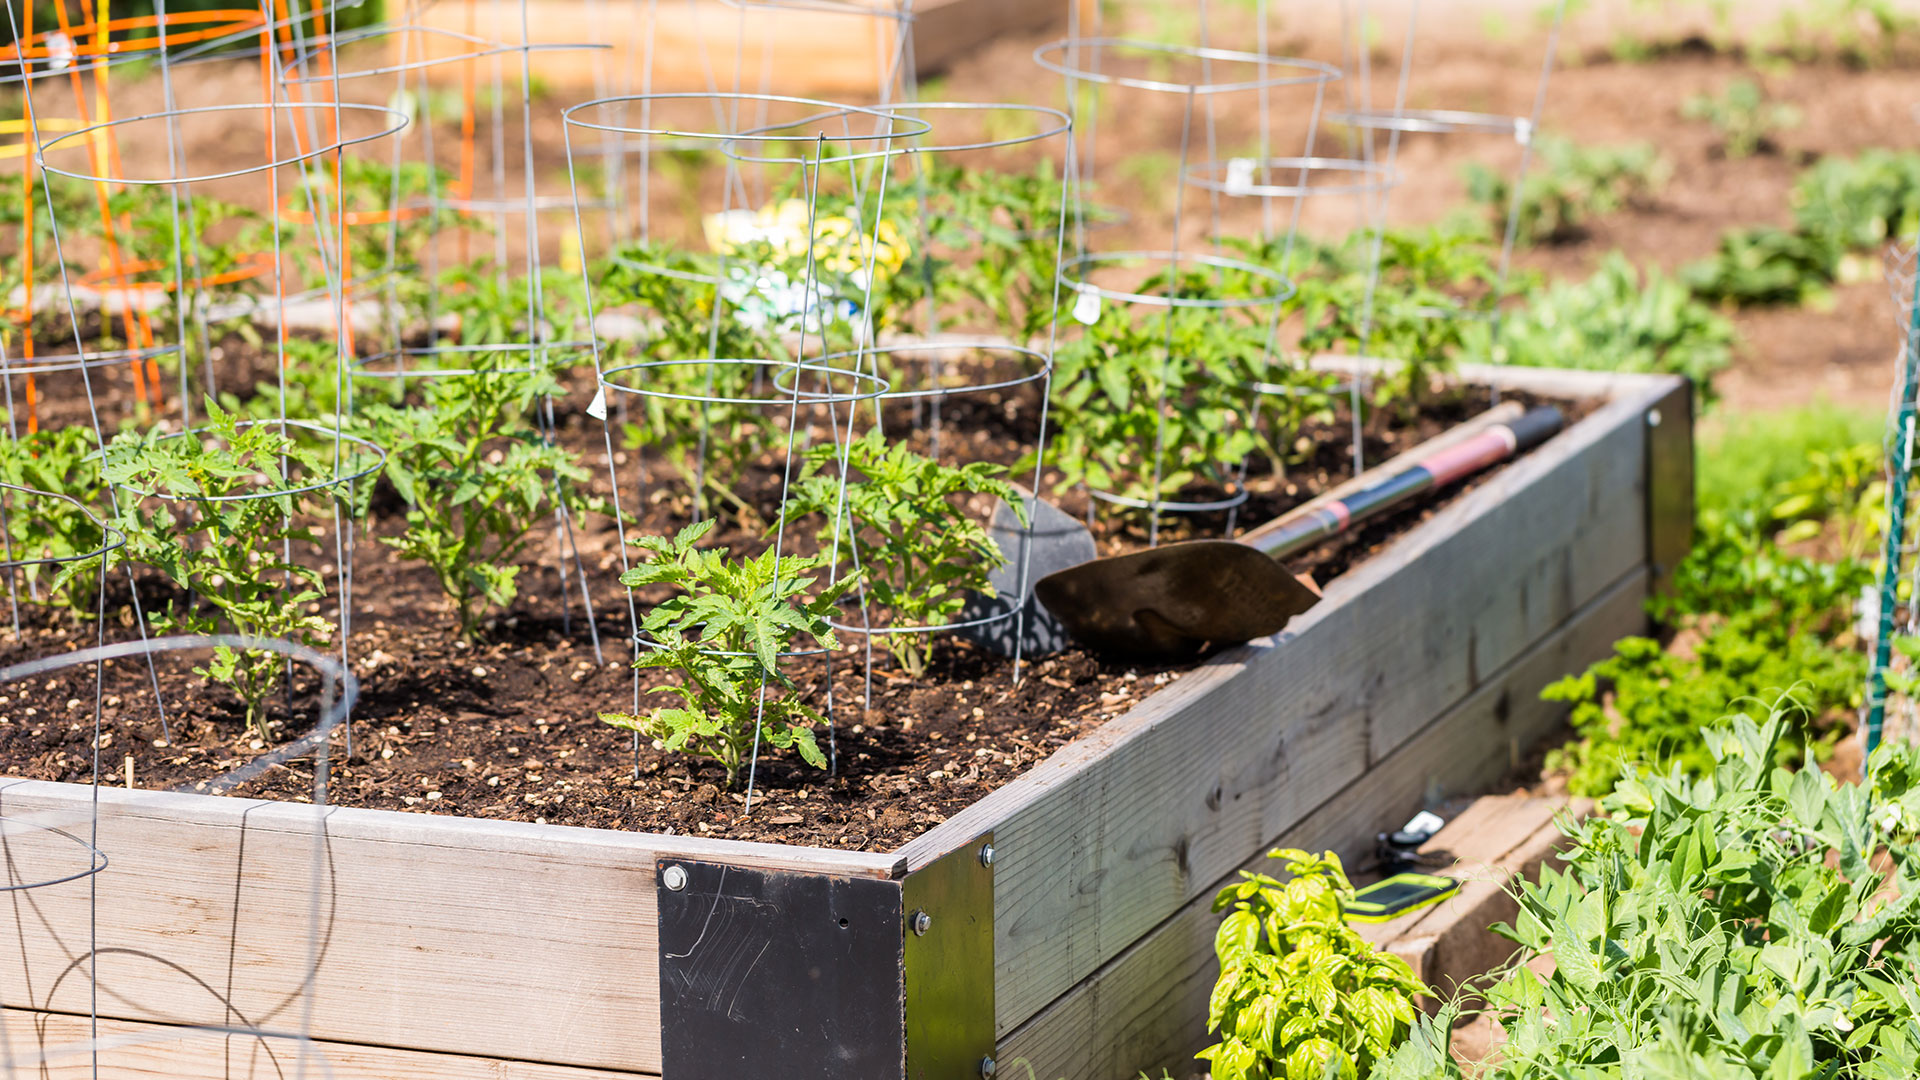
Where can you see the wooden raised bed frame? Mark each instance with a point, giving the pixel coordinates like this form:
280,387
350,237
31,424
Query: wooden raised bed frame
440,947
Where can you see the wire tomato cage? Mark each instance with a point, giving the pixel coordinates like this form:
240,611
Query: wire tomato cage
771,298
55,856
1191,284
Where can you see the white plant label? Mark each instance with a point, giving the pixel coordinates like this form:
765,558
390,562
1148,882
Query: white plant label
1086,308
1240,176
597,408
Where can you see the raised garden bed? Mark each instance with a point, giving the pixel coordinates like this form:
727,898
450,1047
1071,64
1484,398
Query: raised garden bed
413,945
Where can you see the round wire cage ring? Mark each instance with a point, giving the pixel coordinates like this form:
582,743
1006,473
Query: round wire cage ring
896,126
87,361
1435,122
111,539
1293,71
339,690
480,48
869,386
1075,271
49,824
253,265
396,121
380,461
398,357
934,349
1165,506
1234,177
69,43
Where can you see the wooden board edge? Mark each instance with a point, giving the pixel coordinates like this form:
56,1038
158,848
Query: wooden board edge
55,1045
75,802
1146,1007
991,812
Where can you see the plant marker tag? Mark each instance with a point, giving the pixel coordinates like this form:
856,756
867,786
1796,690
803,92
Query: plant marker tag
1240,176
1086,307
597,408
1522,130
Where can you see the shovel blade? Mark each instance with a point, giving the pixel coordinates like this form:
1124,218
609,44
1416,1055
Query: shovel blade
1175,601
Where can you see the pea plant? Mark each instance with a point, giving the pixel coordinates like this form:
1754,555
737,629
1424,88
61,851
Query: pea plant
477,479
920,552
1301,993
220,512
1749,922
723,634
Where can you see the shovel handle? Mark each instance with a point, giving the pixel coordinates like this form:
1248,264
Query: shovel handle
1444,466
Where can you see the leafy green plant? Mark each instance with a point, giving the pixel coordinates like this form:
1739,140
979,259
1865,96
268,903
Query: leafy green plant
220,511
1301,994
1860,202
712,441
1617,320
1867,31
1765,265
1110,383
1745,923
1433,286
1743,116
477,479
1568,186
1742,457
921,553
724,634
493,308
64,462
1843,207
1752,617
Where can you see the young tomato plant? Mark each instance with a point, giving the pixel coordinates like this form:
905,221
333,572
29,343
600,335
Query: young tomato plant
64,462
1301,993
710,443
219,514
1434,284
477,479
724,634
921,554
1109,387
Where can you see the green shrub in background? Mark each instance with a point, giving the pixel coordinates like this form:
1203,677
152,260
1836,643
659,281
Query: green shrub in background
1741,454
1844,209
1568,186
1743,116
1620,319
1744,923
1751,609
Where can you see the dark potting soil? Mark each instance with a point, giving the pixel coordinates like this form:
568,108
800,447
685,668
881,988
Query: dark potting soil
508,727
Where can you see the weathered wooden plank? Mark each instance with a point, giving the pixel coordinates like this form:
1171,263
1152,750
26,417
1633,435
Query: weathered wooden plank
1449,944
1147,1007
1113,834
497,939
55,1046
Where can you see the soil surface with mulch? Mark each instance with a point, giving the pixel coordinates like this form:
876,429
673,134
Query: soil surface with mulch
507,727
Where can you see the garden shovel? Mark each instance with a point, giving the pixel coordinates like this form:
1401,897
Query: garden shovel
1182,599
